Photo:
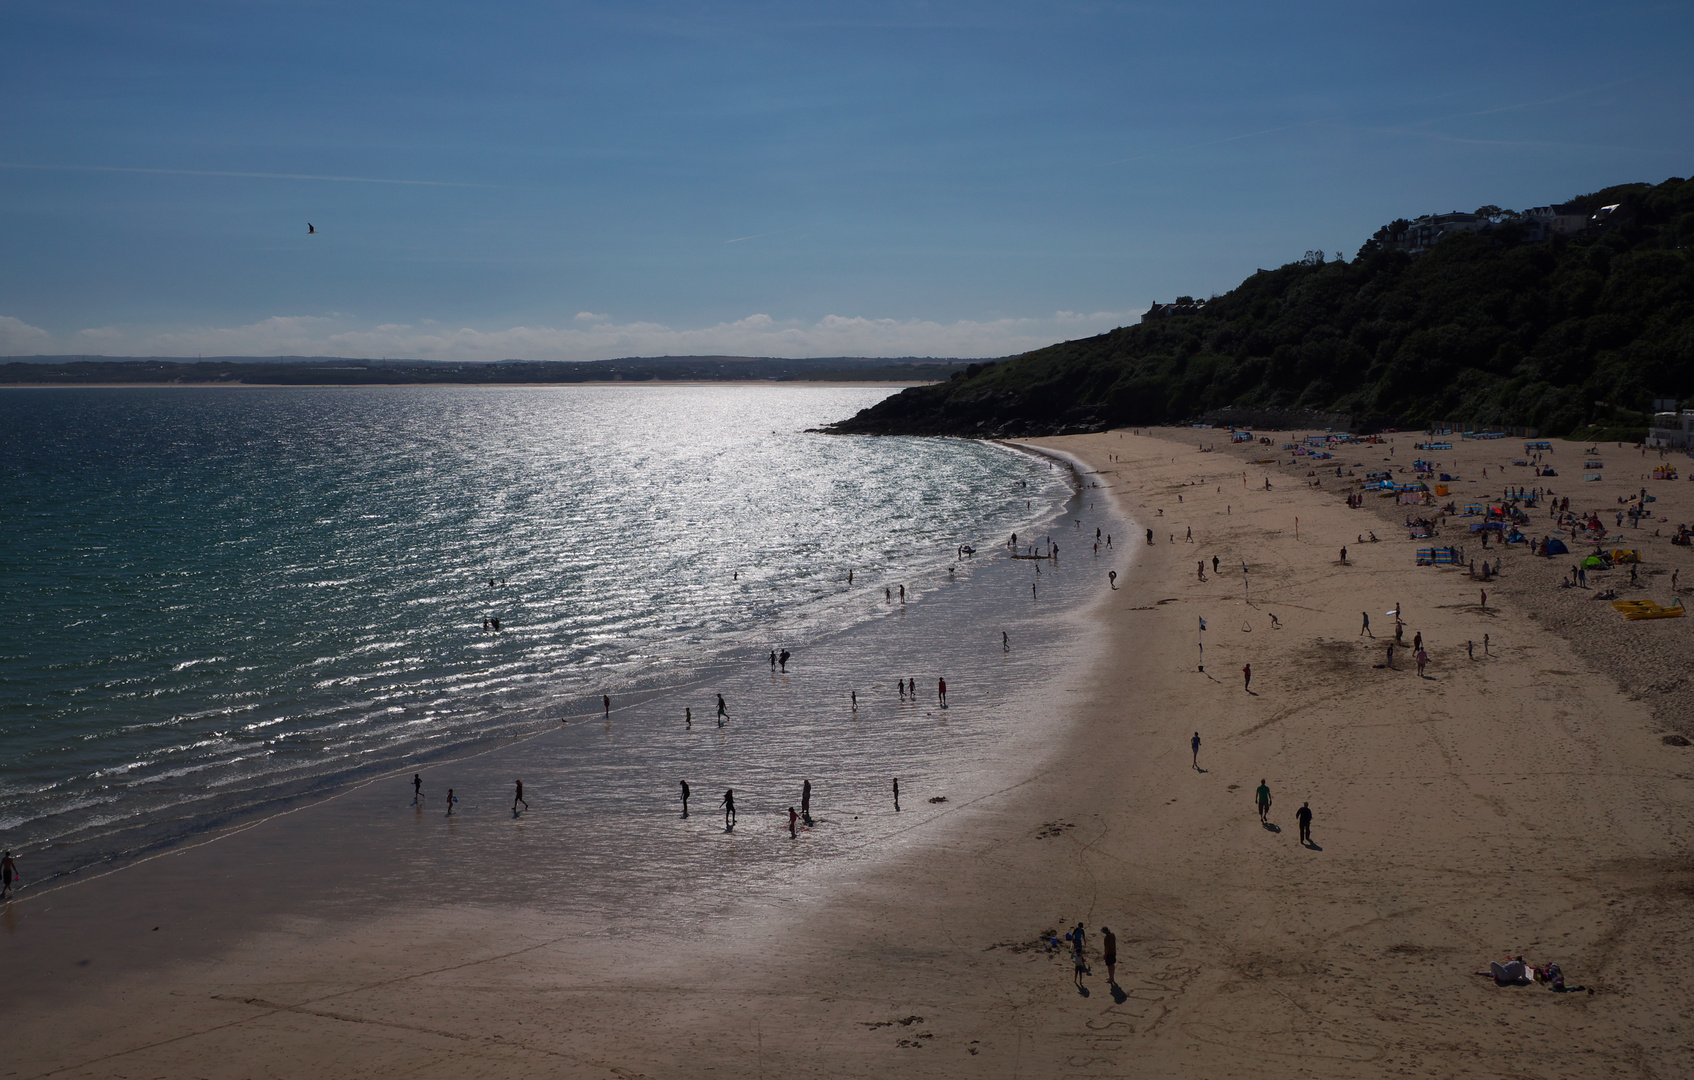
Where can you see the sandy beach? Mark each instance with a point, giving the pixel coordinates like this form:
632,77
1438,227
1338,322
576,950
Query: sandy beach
1521,801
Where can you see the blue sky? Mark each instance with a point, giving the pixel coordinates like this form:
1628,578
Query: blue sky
571,181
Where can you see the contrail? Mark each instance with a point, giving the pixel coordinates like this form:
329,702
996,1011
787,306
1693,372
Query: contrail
240,175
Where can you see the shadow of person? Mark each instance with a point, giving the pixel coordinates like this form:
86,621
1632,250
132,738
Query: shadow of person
1118,994
1270,827
1083,990
1310,846
1252,693
1198,769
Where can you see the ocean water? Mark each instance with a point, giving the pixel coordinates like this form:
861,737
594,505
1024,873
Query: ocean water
221,600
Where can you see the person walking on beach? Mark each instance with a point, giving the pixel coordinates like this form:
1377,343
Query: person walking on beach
1247,677
1423,659
941,689
782,660
901,683
1194,744
896,794
853,695
728,805
1485,644
1263,797
450,801
1005,642
687,718
417,789
1214,564
793,833
902,594
723,712
1365,629
806,802
1304,817
1079,953
684,784
8,874
1112,576
606,700
1109,954
1149,536
518,798
773,659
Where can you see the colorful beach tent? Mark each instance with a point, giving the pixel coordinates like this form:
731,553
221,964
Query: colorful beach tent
1555,547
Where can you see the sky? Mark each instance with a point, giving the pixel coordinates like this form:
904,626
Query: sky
560,181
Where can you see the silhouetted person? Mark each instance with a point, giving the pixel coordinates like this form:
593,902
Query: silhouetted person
806,802
606,700
417,789
942,690
1079,953
782,660
1262,796
518,798
773,659
793,833
1194,744
728,805
896,794
1247,677
684,784
8,874
1365,629
723,712
1109,953
451,800
1304,817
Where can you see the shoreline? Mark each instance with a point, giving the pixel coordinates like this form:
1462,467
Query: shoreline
1517,803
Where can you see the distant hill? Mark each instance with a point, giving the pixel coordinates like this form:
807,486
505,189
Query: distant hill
348,371
1499,321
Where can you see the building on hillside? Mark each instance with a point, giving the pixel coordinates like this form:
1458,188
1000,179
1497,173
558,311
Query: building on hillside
1429,230
1565,219
1184,305
1671,428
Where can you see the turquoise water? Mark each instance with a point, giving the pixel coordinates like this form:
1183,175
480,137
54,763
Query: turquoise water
219,599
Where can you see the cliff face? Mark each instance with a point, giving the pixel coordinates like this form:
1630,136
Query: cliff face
1483,328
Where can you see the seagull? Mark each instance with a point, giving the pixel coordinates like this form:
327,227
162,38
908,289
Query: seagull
310,228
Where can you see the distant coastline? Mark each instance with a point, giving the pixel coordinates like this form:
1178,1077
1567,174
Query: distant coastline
43,371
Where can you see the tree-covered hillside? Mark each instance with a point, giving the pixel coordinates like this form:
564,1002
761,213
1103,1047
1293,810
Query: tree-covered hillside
1484,329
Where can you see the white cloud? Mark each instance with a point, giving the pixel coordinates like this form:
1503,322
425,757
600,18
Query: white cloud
18,338
594,337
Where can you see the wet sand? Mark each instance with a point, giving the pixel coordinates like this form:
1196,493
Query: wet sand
1520,802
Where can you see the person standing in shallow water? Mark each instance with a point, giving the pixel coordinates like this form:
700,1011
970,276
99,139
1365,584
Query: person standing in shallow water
450,802
606,700
417,789
684,784
8,874
728,805
942,691
723,712
806,802
518,798
896,794
793,833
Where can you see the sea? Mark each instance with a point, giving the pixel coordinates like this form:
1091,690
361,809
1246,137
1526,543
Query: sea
221,602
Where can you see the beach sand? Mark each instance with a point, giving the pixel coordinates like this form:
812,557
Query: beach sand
1519,803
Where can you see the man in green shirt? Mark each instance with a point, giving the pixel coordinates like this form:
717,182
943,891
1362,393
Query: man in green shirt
1263,795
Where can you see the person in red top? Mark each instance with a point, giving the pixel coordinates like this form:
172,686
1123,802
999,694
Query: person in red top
1247,676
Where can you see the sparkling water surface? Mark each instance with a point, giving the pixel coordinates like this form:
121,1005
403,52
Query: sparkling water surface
218,599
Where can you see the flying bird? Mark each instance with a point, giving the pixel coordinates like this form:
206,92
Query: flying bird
310,228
